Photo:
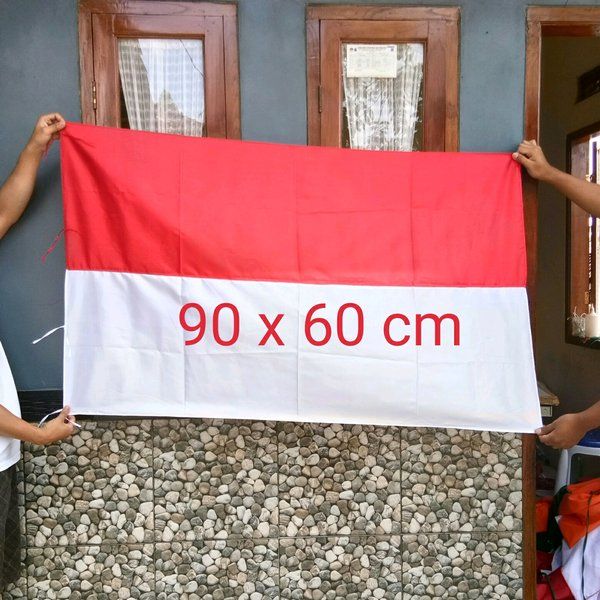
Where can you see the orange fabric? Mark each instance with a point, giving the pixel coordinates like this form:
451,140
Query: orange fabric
574,510
542,510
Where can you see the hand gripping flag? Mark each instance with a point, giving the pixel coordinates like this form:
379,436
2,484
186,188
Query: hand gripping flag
217,278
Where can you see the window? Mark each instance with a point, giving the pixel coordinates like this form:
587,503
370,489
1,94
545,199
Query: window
583,236
160,66
383,77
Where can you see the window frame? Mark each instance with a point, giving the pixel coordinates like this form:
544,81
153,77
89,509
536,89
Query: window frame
571,247
441,110
102,12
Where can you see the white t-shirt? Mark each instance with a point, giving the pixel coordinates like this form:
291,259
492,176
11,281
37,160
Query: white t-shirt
10,449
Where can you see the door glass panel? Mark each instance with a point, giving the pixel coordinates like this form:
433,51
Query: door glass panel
162,85
382,96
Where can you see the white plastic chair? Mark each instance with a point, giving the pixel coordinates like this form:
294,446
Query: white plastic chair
589,444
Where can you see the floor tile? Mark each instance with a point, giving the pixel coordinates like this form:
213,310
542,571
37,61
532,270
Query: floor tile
341,568
206,570
108,571
460,481
462,565
338,479
96,487
215,479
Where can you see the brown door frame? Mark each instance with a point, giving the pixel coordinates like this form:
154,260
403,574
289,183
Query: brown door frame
442,31
541,22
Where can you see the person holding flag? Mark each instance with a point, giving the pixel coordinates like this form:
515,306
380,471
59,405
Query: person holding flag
15,194
568,429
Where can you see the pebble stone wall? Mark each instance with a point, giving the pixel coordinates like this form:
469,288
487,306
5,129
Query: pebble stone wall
205,509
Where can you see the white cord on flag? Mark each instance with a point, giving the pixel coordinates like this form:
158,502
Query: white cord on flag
48,333
58,411
55,412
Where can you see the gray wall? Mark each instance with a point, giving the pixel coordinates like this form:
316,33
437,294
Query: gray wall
570,371
39,72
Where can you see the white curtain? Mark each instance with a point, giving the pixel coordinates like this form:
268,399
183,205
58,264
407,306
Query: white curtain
163,84
382,113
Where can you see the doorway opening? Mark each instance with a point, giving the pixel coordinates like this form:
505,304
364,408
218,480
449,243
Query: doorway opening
562,112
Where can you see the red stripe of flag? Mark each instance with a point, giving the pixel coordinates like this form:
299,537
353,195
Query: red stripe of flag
138,202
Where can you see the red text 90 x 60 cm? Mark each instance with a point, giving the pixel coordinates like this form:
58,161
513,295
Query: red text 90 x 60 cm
348,326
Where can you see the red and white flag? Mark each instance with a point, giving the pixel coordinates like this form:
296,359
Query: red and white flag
216,278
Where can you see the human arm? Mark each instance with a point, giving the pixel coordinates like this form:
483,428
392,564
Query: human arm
568,429
55,430
16,191
584,193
